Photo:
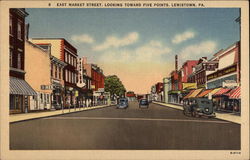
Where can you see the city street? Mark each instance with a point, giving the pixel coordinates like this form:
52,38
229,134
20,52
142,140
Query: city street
158,127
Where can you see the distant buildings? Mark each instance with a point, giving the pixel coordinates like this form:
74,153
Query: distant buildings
217,79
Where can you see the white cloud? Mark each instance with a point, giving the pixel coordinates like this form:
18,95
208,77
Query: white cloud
84,38
148,52
115,42
198,50
183,37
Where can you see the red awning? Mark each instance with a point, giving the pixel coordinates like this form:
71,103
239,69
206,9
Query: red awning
204,93
234,93
222,91
188,94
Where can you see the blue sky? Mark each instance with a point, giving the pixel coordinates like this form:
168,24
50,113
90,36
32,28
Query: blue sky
139,44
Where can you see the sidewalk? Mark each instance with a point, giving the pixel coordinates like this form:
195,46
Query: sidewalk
224,116
35,115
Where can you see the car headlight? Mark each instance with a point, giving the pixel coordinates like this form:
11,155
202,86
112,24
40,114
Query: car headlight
198,109
206,110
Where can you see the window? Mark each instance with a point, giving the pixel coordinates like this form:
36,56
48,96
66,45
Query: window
41,98
11,27
69,76
19,60
51,70
55,71
47,98
19,30
11,58
60,72
66,57
66,75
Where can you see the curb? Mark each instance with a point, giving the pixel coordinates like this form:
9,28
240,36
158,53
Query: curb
218,115
43,116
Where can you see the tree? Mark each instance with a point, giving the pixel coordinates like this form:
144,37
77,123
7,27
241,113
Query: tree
113,85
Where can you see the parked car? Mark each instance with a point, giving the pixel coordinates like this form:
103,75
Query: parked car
198,107
143,103
122,103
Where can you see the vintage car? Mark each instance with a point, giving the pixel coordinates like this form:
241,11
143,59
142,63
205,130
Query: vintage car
198,107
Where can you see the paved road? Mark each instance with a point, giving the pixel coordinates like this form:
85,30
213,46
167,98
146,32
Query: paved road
158,127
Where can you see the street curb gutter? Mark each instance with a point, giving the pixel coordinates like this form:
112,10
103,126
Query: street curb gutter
225,117
26,117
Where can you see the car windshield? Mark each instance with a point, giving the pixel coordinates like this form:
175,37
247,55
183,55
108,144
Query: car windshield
144,101
123,100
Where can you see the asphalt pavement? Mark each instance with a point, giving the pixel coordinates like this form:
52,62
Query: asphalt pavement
156,128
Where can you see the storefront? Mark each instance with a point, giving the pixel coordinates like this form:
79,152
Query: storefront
57,96
220,99
234,99
20,91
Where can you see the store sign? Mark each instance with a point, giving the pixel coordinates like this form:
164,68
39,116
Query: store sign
222,72
101,89
229,84
189,85
92,86
46,87
76,94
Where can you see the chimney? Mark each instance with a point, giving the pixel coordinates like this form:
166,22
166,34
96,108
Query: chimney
84,60
27,28
176,62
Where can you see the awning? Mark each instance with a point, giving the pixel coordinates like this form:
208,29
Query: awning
204,93
195,93
222,91
20,87
234,93
214,91
188,94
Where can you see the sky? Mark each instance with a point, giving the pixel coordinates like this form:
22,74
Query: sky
138,44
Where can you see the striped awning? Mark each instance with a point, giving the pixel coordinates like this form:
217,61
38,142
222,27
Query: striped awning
204,93
20,87
195,93
214,91
188,94
234,93
222,91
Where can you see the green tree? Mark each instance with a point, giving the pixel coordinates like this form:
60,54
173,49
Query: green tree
113,85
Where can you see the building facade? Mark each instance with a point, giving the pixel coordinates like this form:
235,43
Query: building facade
20,90
57,82
37,66
97,82
63,50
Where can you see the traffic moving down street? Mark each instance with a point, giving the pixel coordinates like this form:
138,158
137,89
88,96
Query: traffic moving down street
156,127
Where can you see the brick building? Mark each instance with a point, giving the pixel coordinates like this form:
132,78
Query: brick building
20,90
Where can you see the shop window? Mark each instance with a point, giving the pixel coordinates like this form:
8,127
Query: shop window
41,98
47,98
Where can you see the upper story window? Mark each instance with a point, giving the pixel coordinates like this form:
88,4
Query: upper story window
11,58
66,75
55,71
60,72
19,60
19,30
51,70
11,25
66,57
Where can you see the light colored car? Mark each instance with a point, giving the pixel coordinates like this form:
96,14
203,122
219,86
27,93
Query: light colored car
122,103
143,103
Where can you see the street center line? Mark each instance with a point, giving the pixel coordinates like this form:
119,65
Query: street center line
138,119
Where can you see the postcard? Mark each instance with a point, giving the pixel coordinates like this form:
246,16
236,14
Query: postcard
124,80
